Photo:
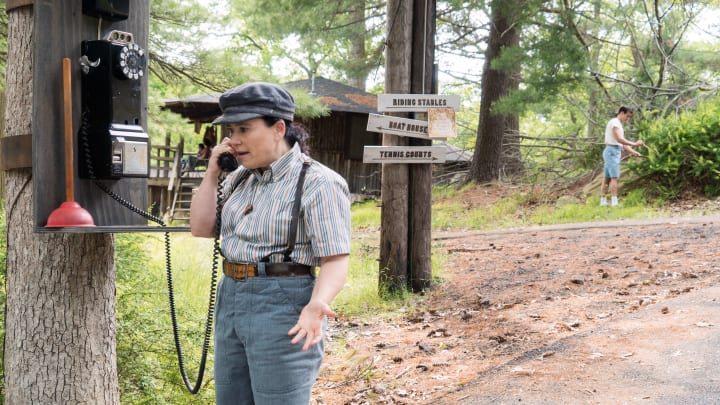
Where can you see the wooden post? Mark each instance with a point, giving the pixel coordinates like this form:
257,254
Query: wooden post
420,178
394,189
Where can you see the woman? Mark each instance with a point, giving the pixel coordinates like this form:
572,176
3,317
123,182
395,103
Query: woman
271,309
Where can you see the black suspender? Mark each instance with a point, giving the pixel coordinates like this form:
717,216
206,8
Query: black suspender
295,213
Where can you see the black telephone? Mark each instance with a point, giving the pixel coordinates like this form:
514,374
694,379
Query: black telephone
227,162
114,142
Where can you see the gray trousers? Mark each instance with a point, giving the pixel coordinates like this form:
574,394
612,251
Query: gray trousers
255,363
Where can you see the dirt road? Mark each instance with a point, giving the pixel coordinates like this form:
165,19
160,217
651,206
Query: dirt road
591,313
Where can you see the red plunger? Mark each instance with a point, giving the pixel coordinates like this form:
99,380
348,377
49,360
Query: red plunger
70,213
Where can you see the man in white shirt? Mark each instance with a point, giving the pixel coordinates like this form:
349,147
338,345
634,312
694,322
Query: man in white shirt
615,142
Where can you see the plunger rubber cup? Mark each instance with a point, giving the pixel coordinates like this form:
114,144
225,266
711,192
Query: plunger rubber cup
69,214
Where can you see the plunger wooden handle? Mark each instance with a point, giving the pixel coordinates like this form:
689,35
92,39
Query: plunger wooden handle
67,104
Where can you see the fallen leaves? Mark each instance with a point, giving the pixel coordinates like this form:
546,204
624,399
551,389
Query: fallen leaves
537,291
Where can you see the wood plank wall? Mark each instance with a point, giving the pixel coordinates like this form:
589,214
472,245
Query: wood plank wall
330,143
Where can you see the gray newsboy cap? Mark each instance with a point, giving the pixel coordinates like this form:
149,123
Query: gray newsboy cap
253,100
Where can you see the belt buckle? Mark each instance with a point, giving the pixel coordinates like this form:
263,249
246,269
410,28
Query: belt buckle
245,270
237,271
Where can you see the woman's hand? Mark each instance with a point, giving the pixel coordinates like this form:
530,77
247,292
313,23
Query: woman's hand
309,324
333,270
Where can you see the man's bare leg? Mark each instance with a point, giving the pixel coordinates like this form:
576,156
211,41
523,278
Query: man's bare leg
614,191
603,191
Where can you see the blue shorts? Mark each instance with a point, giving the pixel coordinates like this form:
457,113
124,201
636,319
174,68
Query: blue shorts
611,157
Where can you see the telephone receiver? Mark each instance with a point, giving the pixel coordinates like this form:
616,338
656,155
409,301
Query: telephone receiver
227,162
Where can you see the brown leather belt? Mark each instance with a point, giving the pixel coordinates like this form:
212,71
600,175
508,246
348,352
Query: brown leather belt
241,271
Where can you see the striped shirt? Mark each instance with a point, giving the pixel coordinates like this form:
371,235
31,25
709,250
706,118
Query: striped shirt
256,217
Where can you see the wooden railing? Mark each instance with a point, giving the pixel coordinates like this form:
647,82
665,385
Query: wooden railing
172,174
164,160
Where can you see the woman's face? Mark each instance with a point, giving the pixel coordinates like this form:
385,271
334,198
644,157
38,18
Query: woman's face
257,145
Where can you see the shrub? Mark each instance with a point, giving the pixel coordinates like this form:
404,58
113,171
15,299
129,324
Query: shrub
683,152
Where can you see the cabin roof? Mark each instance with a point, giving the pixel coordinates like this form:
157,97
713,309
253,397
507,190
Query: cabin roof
199,108
336,96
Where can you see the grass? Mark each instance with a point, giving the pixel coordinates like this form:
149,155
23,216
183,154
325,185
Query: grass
366,215
192,261
527,208
633,206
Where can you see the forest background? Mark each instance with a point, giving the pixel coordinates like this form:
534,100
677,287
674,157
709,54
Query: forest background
538,81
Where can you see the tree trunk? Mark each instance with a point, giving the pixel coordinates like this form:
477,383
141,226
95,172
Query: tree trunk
60,310
504,33
512,162
357,69
593,111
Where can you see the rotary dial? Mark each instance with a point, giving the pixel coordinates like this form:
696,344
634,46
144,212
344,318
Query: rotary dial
131,61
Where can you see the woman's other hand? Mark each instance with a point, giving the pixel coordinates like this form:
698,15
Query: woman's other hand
309,324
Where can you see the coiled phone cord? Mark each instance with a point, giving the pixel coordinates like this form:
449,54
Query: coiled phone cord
193,389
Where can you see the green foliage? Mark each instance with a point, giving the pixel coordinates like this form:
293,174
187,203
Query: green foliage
147,362
683,152
321,37
553,63
179,50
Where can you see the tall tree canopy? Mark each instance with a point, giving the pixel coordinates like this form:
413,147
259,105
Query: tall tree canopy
339,39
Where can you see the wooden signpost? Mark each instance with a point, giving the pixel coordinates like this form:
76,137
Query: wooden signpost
416,102
387,124
440,108
404,154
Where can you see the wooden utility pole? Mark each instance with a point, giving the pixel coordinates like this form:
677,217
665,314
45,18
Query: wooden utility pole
394,188
422,81
406,191
60,316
